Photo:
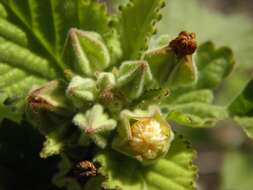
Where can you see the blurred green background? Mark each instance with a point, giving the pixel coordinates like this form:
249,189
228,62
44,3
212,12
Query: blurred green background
225,157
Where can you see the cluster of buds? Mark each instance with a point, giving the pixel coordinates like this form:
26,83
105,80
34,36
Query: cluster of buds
101,97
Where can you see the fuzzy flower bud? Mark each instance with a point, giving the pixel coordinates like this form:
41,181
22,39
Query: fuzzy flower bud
85,52
133,78
81,91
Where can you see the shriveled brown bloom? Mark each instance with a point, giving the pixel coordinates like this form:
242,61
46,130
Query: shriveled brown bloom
86,169
184,44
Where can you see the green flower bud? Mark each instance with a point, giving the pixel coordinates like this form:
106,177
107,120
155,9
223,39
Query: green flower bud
133,78
105,81
172,66
144,135
95,126
109,96
81,91
85,52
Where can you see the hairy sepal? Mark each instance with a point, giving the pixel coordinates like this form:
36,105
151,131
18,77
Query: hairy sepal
85,52
133,78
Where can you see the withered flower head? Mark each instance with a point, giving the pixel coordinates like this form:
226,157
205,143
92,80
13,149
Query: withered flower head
86,169
184,44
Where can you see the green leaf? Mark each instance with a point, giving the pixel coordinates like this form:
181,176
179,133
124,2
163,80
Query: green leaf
8,112
203,96
196,114
193,108
243,104
213,64
237,172
242,109
51,146
20,68
136,24
247,124
174,172
32,37
115,4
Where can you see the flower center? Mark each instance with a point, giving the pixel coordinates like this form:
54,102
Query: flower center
148,138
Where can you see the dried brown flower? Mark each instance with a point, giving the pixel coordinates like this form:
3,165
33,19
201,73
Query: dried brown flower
184,44
86,168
